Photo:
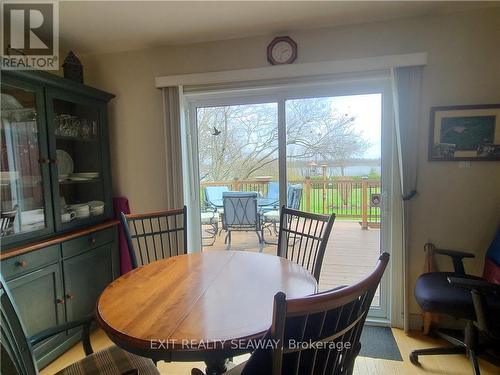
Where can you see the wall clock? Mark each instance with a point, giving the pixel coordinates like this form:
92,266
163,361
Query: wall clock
282,50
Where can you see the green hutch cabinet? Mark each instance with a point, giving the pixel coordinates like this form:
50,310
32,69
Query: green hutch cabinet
58,238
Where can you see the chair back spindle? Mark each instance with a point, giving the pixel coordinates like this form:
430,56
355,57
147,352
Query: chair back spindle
156,235
303,238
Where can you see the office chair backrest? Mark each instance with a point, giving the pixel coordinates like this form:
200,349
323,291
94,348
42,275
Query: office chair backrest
17,355
492,262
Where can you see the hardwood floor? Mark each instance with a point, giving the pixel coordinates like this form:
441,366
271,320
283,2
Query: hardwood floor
442,365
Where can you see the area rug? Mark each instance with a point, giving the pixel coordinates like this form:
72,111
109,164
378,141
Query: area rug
379,342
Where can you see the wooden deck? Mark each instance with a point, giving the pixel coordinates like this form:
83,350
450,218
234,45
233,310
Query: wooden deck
351,252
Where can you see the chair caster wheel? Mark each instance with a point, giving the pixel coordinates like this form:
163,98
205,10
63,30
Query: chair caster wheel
414,359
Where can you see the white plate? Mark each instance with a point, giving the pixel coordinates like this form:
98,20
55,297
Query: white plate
64,162
76,178
95,204
86,174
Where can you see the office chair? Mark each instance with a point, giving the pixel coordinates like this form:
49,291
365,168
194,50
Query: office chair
463,296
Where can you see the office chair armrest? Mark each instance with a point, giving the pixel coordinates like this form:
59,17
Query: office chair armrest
481,286
84,323
480,289
456,257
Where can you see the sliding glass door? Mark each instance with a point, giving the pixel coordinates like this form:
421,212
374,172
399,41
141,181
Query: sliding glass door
318,148
333,166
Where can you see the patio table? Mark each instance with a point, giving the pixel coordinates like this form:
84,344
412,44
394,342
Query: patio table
206,306
261,202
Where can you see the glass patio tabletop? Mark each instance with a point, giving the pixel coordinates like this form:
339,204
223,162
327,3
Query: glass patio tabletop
261,202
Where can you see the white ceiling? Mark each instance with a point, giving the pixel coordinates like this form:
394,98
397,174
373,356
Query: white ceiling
88,27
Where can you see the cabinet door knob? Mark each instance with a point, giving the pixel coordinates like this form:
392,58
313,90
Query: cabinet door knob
70,296
21,263
92,239
60,301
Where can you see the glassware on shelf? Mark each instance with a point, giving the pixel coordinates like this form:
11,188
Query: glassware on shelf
22,187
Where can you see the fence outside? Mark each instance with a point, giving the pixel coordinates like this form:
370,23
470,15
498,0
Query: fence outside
347,197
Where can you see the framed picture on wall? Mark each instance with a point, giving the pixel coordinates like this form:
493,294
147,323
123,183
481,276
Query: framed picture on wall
467,132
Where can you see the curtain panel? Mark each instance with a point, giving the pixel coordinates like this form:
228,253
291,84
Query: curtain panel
173,148
406,88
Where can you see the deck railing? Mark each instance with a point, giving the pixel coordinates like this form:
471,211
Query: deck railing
348,197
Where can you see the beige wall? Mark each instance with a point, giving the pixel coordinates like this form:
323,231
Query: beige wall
456,207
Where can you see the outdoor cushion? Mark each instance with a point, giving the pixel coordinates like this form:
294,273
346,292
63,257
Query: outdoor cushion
207,218
272,216
111,361
435,294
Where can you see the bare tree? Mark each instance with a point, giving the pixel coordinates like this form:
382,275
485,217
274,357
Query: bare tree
242,141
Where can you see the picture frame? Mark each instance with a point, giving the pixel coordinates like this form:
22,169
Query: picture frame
465,132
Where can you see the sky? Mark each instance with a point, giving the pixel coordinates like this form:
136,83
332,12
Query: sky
367,109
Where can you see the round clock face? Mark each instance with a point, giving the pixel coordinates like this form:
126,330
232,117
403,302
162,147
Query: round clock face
282,52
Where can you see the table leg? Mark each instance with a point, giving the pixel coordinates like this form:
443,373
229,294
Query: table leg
216,366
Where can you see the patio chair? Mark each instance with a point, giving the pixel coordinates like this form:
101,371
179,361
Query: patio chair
7,219
209,217
17,348
213,196
273,194
240,214
271,219
303,237
317,334
155,235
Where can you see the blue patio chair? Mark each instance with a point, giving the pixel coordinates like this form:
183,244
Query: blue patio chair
273,195
271,219
240,215
213,196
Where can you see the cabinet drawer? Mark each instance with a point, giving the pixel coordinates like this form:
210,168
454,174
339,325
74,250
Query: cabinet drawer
90,241
21,264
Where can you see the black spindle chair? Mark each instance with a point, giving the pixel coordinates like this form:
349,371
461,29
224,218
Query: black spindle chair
317,334
17,349
155,235
303,237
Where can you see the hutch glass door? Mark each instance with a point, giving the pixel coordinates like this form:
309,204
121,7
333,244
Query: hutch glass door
24,173
76,129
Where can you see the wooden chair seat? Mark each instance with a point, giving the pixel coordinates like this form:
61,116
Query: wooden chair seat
111,361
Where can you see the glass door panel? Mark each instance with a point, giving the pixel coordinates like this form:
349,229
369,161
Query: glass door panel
79,162
333,159
24,176
238,152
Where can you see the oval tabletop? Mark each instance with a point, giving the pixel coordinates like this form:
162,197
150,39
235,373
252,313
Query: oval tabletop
212,297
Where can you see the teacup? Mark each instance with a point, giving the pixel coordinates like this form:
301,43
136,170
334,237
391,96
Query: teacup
68,216
81,210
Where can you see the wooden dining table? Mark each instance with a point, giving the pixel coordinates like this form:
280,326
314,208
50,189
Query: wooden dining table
205,306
